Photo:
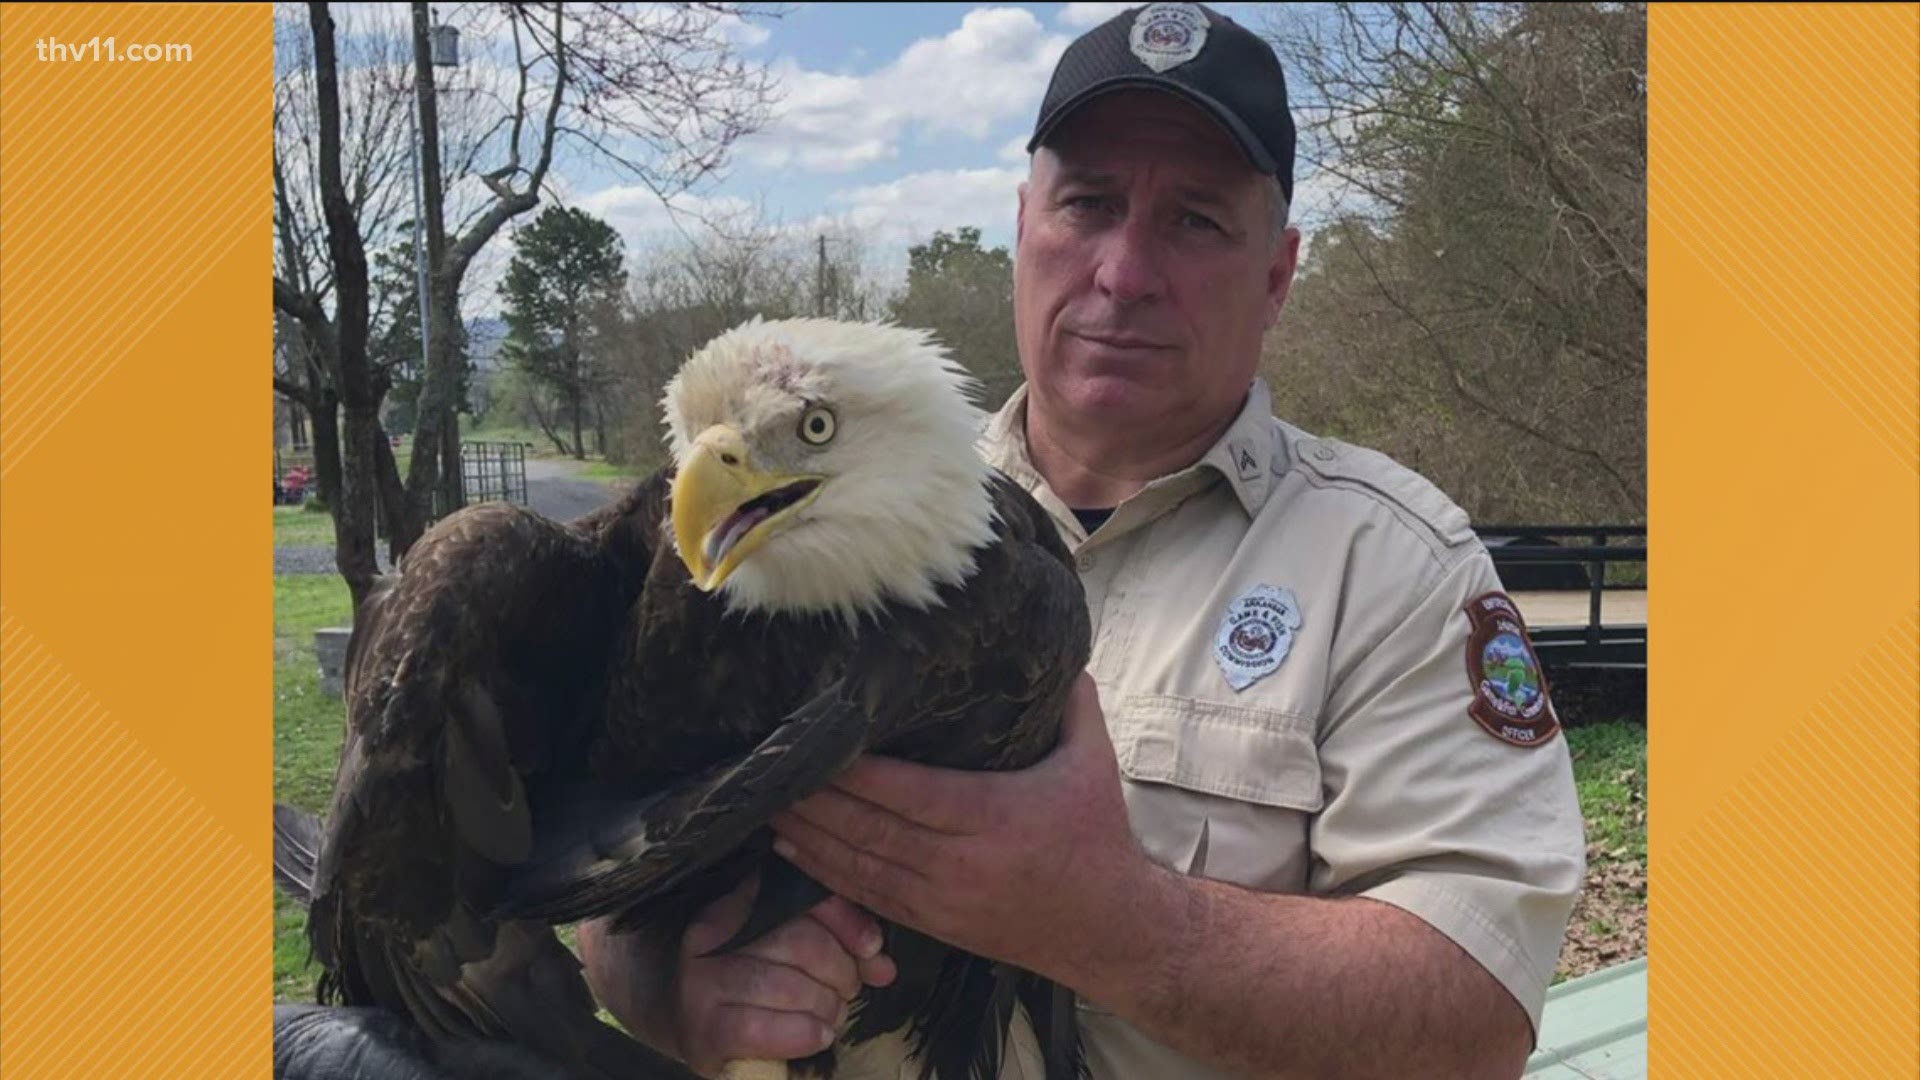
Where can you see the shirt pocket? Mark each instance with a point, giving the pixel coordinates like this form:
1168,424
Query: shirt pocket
1219,790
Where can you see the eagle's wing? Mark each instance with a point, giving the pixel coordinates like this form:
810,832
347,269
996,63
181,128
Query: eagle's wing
986,684
977,682
470,681
612,857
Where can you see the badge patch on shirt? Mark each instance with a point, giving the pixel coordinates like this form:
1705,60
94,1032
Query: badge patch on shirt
1168,35
1256,634
1509,687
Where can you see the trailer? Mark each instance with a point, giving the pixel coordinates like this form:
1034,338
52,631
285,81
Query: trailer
1581,588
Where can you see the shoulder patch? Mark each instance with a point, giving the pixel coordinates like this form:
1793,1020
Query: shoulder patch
1510,698
1388,479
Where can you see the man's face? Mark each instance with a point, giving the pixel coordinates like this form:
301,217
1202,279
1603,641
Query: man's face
1146,270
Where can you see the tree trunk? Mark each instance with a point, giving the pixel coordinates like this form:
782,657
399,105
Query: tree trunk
326,447
546,425
393,494
352,377
435,424
579,448
353,518
453,477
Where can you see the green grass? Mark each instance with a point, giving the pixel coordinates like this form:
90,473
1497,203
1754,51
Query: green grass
296,526
607,470
307,727
505,431
1633,574
1610,773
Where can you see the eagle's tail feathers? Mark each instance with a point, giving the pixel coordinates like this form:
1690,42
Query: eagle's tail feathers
296,851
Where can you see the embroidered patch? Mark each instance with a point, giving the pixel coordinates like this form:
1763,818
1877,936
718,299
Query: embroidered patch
1168,35
1256,634
1510,695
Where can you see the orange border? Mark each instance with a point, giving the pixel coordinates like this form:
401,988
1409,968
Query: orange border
135,625
134,666
1784,526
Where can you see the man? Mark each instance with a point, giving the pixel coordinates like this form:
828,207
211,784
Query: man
1315,821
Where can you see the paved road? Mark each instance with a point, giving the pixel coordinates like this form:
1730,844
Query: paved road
552,491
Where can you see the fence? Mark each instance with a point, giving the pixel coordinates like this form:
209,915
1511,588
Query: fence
1591,559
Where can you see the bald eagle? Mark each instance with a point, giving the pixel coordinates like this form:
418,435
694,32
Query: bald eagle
554,722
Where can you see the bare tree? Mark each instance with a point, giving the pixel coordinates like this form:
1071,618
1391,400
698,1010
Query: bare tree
682,293
1475,300
654,89
369,76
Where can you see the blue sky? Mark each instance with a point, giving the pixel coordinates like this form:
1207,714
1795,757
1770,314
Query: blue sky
894,120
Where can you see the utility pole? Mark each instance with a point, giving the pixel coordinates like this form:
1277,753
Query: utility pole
434,46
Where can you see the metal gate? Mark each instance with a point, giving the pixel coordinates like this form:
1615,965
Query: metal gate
493,471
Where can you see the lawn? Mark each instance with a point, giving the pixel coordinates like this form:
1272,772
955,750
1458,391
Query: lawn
297,526
596,469
1609,923
306,742
504,431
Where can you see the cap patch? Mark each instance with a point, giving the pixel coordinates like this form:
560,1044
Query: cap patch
1168,35
1509,688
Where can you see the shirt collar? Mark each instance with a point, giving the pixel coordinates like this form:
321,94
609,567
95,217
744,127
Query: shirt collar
1244,455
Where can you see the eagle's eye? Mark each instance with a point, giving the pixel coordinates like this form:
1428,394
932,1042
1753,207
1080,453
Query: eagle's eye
817,426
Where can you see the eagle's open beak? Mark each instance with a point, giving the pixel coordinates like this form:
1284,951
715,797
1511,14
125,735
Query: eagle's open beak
724,508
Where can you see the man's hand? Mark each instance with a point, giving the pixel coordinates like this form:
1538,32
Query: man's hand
1025,867
783,997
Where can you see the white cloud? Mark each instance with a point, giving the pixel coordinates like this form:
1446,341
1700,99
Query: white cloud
1085,16
909,208
740,33
993,67
1015,150
640,217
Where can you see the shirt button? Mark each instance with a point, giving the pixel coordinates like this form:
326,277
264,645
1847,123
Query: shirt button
1323,453
1084,562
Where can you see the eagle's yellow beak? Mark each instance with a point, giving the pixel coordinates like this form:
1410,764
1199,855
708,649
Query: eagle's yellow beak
724,509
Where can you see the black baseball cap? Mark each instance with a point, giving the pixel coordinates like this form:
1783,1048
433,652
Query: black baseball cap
1192,51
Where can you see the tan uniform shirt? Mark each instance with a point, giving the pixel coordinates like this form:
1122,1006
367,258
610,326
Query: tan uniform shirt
1319,739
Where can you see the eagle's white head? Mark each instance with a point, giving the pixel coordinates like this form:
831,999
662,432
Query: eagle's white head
826,467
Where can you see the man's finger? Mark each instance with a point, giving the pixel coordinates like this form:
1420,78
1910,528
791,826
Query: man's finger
944,800
719,920
866,826
879,971
859,933
859,876
805,945
741,1032
742,980
855,930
